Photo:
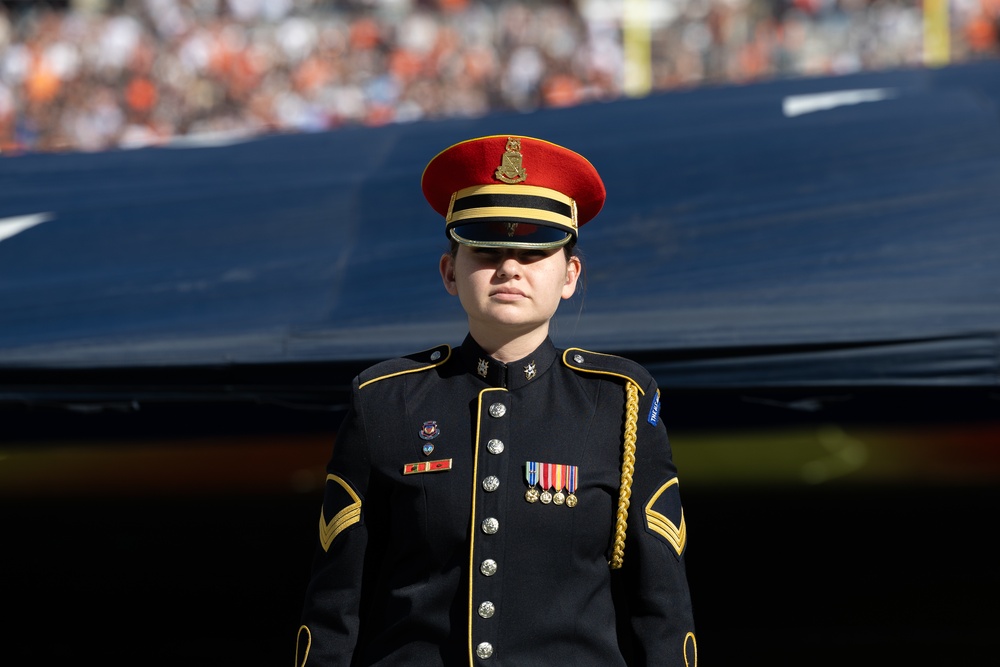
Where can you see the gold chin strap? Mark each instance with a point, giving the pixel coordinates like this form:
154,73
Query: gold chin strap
628,467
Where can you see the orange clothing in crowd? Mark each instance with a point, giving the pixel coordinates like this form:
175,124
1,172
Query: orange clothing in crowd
42,84
140,94
561,90
981,32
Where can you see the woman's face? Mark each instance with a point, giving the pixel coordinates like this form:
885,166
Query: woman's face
512,288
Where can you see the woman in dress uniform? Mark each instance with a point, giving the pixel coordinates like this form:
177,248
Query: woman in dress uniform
503,503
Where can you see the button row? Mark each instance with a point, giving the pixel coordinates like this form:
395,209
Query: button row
490,526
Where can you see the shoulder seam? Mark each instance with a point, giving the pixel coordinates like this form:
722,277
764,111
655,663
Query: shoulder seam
600,371
417,369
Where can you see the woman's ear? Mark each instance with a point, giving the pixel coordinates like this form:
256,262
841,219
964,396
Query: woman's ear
447,268
573,268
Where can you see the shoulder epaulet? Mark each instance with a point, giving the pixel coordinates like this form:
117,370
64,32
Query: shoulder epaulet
411,363
612,365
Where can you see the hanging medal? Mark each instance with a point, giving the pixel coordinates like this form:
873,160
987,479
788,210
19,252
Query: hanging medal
558,483
531,475
545,474
571,481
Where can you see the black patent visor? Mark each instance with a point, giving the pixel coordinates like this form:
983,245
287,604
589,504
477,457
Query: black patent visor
510,233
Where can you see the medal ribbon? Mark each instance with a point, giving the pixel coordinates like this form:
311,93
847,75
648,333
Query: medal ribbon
546,476
571,475
531,472
559,476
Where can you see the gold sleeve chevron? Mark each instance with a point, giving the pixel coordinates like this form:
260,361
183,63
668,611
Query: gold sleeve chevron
348,516
675,535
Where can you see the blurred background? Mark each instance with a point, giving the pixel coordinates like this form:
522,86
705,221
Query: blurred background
97,74
840,472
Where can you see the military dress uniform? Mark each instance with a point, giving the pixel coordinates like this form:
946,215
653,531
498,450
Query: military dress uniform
511,515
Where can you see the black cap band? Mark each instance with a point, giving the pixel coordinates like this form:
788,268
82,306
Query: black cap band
511,216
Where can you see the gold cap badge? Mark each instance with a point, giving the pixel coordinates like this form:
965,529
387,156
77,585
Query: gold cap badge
510,169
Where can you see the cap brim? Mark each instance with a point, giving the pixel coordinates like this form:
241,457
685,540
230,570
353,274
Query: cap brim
509,233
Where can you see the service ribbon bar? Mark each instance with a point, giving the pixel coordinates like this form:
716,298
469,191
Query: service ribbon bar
427,466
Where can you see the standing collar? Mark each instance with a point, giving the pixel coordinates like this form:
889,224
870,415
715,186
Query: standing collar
513,375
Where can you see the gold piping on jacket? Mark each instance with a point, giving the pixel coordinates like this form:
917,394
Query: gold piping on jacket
304,637
690,650
411,370
600,371
472,524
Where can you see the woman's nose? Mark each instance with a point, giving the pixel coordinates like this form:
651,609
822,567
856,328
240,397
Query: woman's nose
509,266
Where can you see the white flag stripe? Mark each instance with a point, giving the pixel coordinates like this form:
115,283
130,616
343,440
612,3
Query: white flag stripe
17,224
796,105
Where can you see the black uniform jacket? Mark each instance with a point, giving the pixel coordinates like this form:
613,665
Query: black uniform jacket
430,554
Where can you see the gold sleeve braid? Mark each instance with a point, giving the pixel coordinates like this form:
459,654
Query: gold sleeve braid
628,467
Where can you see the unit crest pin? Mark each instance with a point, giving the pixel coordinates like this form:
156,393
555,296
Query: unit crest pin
429,431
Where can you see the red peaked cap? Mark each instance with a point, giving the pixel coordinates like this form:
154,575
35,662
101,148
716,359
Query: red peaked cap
512,191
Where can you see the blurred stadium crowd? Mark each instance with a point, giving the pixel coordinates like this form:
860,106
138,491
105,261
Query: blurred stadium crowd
100,74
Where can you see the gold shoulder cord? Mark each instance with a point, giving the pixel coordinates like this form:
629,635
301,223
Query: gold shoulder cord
628,467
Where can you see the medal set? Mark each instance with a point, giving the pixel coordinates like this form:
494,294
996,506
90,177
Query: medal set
544,478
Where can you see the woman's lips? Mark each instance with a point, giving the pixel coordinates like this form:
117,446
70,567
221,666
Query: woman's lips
508,294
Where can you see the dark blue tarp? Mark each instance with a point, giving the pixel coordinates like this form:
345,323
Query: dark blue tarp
833,231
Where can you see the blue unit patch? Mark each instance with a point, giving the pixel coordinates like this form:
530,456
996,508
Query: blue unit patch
654,409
